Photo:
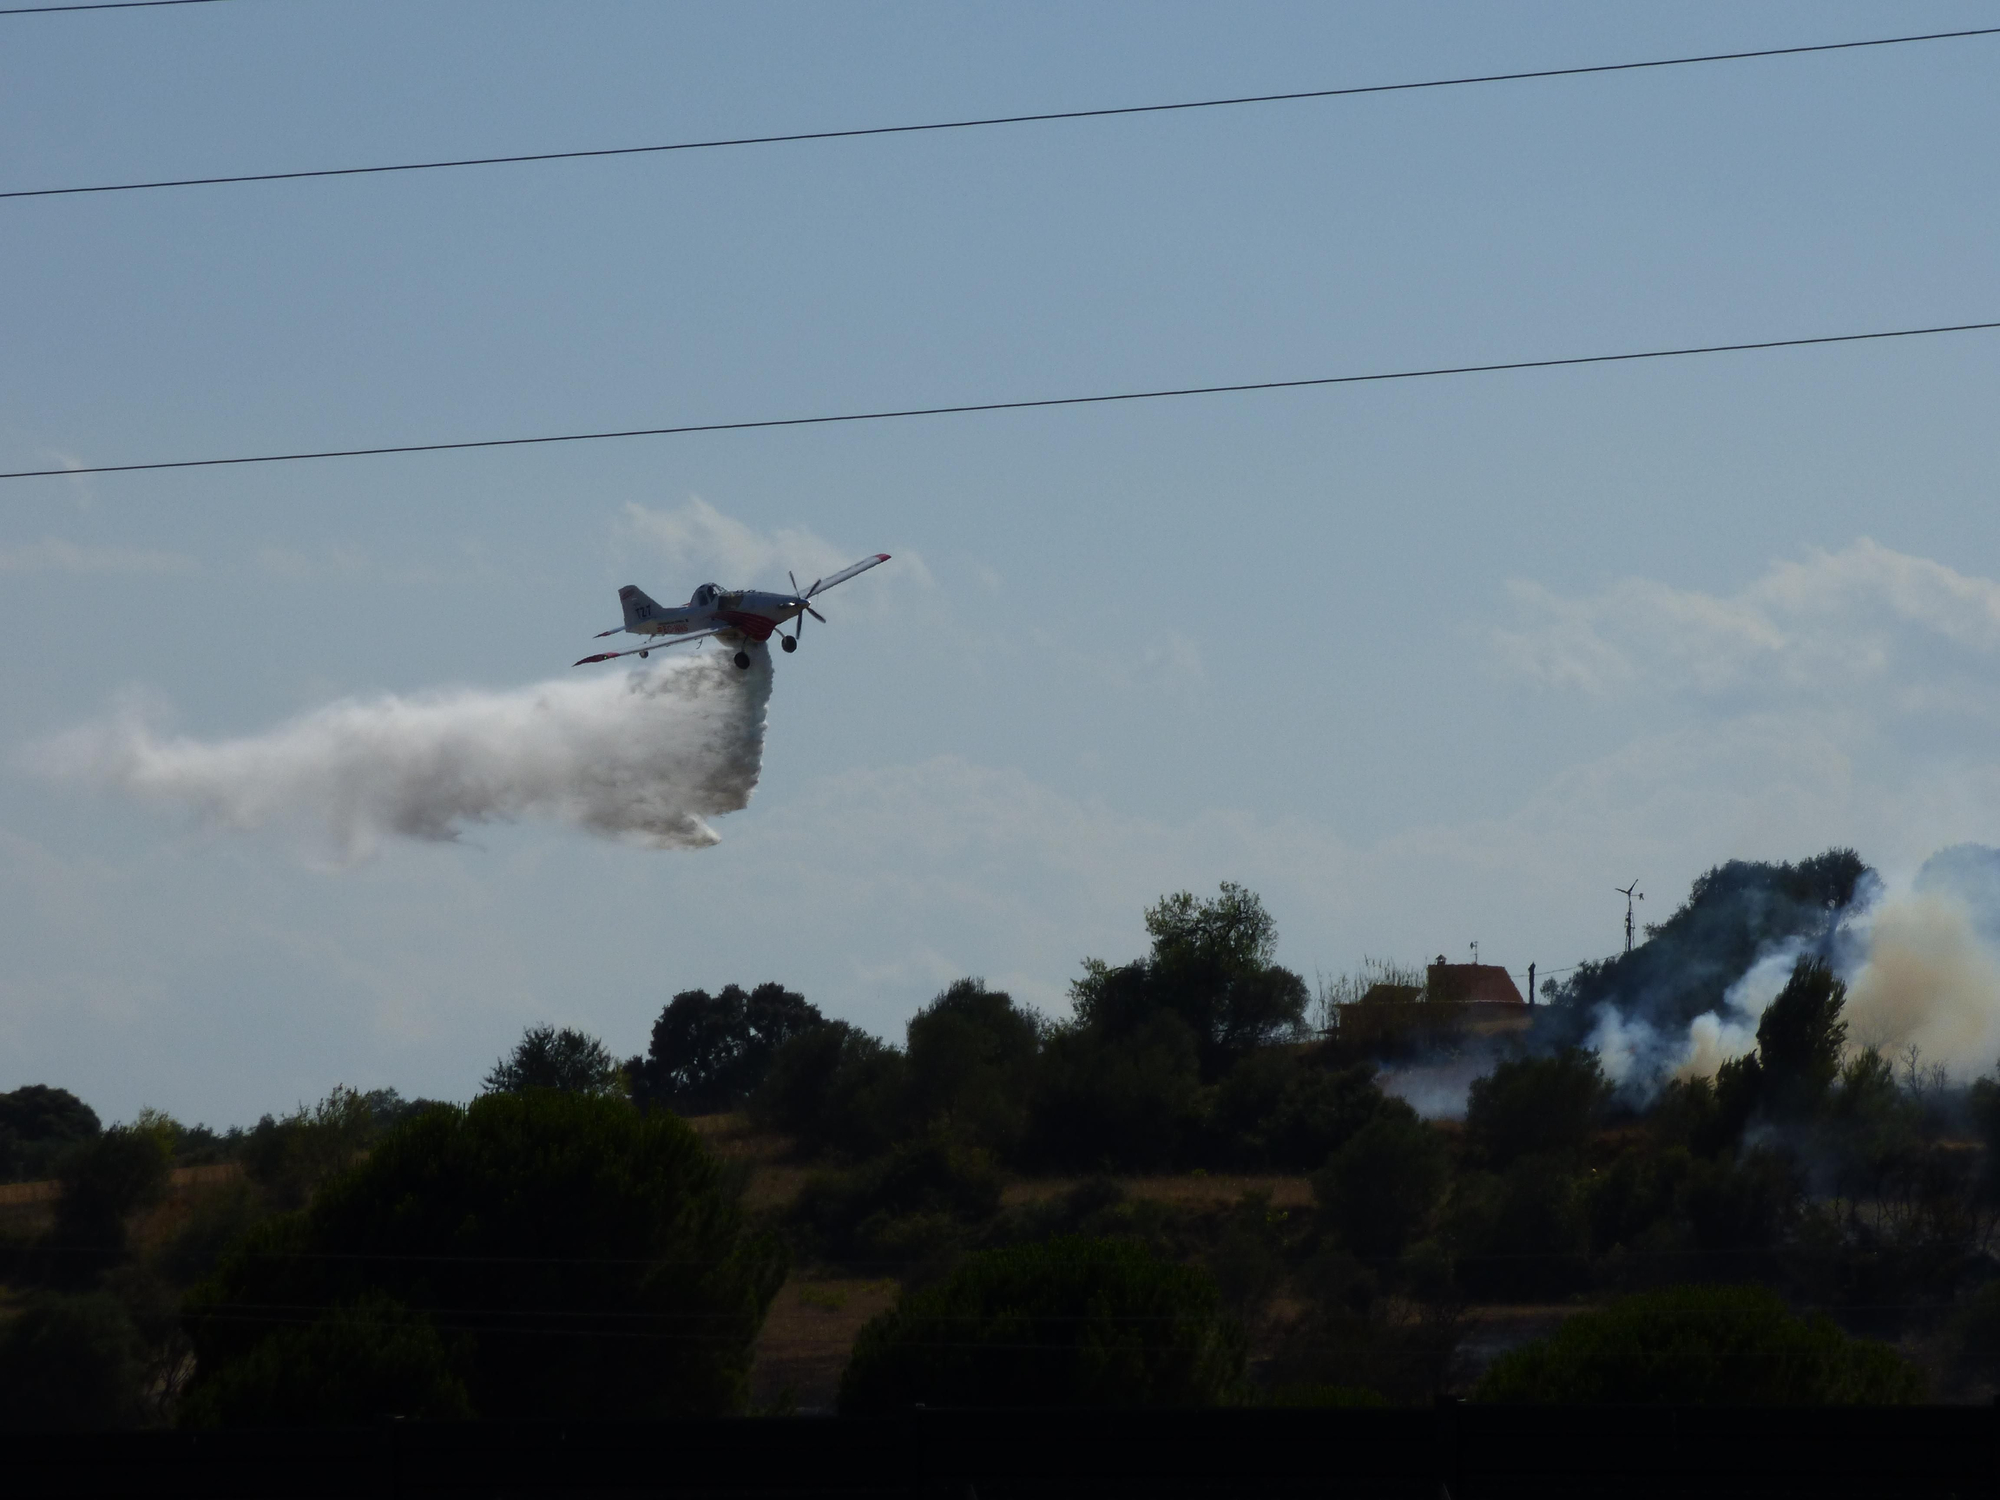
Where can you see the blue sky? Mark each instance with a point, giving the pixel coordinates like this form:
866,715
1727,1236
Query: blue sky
1423,663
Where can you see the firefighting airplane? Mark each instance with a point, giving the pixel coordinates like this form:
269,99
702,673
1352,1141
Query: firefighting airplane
737,617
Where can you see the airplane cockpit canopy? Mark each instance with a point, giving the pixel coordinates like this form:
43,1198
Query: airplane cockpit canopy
706,594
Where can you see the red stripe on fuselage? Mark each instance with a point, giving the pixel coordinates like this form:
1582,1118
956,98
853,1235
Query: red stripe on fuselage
757,627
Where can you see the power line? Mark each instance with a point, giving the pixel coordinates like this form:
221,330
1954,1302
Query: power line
990,406
37,10
1067,114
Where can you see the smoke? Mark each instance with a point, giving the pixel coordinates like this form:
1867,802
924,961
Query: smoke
646,757
1921,961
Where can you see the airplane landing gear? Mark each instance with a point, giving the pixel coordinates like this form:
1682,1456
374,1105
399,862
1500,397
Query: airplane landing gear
644,654
743,660
791,642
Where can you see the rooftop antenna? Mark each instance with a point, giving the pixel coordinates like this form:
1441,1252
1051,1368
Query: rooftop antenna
1475,951
1631,893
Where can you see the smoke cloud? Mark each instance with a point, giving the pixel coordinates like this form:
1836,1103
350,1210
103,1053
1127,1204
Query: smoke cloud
1922,966
647,757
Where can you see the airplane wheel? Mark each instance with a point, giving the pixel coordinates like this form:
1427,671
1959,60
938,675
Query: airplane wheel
743,660
791,643
644,654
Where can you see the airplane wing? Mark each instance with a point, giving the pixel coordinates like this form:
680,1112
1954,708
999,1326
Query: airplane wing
846,573
659,643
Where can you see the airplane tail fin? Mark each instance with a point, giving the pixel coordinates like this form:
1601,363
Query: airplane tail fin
638,608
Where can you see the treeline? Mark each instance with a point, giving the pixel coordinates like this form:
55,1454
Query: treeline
565,1246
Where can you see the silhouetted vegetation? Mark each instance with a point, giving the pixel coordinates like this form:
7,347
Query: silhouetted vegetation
710,1052
1069,1322
549,1057
575,1258
38,1124
566,1247
1702,1346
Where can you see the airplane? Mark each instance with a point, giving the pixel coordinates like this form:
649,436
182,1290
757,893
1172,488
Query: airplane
737,617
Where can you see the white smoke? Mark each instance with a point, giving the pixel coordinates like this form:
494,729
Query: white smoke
1921,961
645,756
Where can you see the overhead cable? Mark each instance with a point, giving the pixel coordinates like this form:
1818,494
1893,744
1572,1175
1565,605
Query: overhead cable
992,406
972,124
37,10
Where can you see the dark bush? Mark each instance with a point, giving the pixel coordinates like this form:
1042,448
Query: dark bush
1280,1111
1535,1106
1381,1188
71,1364
37,1124
105,1180
906,1205
1070,1322
290,1156
1129,1101
356,1364
834,1087
710,1052
1701,1346
1523,1233
972,1055
580,1259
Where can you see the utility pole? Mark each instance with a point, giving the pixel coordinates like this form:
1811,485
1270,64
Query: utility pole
1531,984
1627,891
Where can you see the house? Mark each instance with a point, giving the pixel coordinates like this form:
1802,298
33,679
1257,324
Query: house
1455,1003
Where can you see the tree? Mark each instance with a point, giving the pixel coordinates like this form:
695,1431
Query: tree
1065,1323
105,1180
290,1157
37,1124
710,1052
1380,1189
1800,1039
546,1058
71,1364
1701,1346
1280,1111
1535,1105
972,1055
834,1087
579,1260
1130,1099
1211,967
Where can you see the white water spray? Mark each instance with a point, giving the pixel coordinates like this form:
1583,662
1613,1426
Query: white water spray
647,756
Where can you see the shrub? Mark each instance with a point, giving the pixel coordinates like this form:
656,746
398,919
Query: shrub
583,1260
1701,1346
1129,1101
906,1205
71,1364
356,1364
1534,1106
1379,1189
105,1180
1524,1233
972,1055
1280,1111
1069,1322
289,1157
834,1087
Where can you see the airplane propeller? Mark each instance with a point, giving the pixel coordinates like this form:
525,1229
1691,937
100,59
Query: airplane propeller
799,629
